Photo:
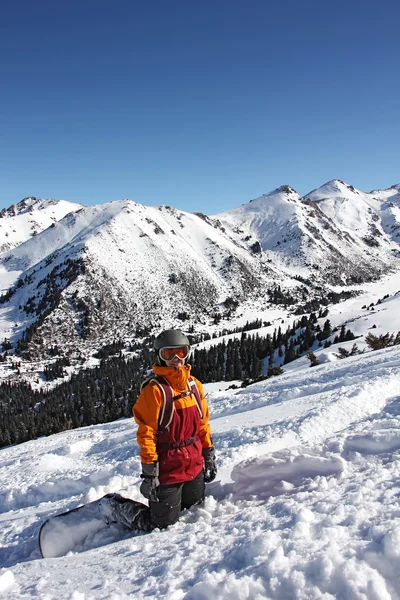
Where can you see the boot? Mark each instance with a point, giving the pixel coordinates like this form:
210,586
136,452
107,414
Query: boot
114,508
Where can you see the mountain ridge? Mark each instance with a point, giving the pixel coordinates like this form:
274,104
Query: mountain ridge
120,269
30,217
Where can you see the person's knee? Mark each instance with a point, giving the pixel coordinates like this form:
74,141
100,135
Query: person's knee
162,515
193,492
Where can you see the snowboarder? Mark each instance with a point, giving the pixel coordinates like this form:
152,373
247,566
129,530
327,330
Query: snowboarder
176,451
174,436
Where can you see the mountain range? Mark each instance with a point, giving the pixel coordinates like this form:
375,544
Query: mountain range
77,277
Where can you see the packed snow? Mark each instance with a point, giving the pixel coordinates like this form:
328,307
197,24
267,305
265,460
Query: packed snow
305,505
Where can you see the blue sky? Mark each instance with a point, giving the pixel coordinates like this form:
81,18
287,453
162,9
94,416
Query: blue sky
201,106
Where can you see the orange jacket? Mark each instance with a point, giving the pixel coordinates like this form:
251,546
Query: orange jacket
147,409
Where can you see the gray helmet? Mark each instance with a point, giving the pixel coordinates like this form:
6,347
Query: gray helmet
171,338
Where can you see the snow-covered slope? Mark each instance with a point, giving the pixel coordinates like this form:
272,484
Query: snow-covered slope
122,267
272,219
305,504
367,214
28,218
335,233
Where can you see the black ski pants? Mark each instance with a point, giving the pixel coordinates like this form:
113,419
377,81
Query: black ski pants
173,499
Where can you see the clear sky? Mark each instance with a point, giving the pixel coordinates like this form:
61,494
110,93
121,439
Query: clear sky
198,105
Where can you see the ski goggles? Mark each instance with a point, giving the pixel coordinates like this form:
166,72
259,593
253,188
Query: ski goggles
170,353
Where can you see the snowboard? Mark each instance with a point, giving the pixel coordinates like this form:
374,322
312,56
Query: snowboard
68,531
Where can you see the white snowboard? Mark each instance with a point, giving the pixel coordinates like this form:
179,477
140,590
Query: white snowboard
68,531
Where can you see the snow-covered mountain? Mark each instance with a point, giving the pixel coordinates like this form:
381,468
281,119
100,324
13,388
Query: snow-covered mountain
106,271
119,270
335,234
28,218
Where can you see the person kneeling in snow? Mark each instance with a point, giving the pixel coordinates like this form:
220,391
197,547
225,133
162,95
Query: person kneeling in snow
174,436
178,456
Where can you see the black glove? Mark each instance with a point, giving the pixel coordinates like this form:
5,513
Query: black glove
210,466
150,481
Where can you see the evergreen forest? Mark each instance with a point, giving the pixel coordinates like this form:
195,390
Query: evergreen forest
107,392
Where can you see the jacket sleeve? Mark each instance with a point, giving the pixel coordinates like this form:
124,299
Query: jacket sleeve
146,411
205,429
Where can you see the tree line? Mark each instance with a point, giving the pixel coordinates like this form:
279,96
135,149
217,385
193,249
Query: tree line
107,392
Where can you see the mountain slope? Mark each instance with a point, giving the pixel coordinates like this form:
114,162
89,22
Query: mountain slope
368,215
108,271
28,218
334,234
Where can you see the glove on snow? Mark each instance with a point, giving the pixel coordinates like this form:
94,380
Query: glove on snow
150,481
210,466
